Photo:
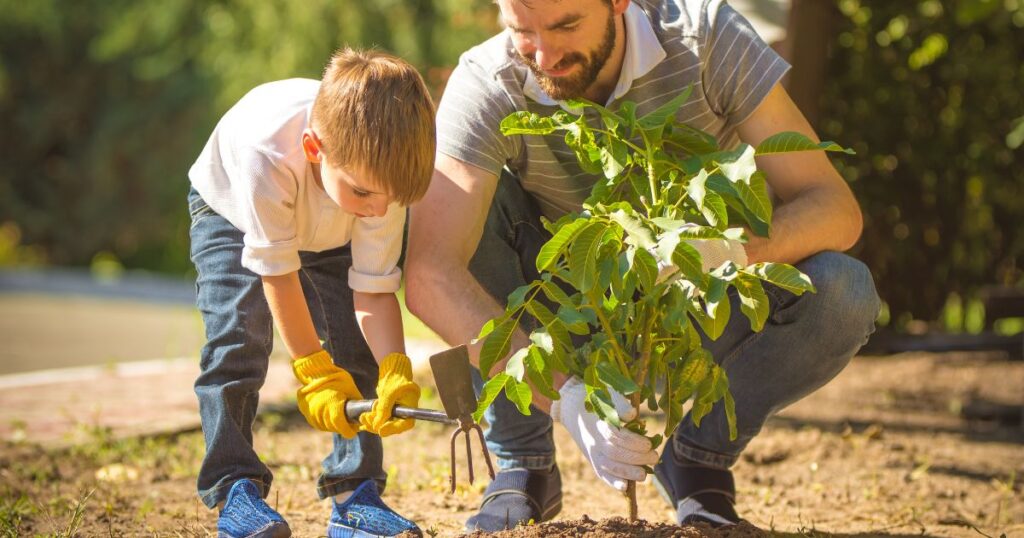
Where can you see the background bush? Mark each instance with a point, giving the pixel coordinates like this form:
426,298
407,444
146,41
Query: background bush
927,93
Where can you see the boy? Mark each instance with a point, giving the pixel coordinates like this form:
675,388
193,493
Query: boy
297,218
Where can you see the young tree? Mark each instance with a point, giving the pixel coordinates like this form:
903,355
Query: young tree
623,289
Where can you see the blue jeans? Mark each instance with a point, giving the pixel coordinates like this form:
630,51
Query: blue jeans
806,341
234,361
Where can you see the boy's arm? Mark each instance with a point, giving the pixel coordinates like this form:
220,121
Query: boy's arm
325,387
380,320
291,314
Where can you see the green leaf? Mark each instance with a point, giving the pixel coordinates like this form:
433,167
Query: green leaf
574,320
542,339
710,203
716,299
555,327
782,275
488,393
636,233
527,123
518,297
614,158
515,366
738,165
713,326
755,196
520,394
688,260
645,267
583,256
488,327
539,373
789,141
601,402
714,210
654,123
696,188
497,345
753,300
555,293
555,247
690,139
730,414
610,375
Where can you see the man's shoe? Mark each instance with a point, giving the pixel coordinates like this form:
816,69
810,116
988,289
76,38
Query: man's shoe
517,497
699,494
247,515
364,515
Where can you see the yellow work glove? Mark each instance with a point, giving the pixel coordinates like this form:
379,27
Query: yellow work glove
325,389
394,387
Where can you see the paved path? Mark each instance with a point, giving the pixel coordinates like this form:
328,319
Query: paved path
77,354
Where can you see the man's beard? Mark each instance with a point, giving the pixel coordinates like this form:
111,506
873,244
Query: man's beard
576,84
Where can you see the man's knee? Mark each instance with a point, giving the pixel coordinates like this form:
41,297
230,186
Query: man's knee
846,303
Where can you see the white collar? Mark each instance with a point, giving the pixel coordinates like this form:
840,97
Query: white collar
643,53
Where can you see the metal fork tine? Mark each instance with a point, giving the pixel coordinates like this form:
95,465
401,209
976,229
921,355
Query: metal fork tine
483,447
451,478
469,456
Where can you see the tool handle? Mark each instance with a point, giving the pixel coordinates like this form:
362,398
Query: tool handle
355,408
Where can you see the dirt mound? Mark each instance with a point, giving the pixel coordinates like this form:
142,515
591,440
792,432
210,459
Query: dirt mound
618,527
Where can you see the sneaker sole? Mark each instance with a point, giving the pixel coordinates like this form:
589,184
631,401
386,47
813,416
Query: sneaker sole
271,531
340,531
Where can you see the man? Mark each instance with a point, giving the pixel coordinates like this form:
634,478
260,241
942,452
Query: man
475,236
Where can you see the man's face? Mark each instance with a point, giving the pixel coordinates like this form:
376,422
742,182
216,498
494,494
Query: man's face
564,42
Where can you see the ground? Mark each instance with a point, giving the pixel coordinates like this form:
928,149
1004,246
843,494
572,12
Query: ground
883,450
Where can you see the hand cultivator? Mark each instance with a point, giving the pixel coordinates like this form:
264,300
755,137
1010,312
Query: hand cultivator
455,387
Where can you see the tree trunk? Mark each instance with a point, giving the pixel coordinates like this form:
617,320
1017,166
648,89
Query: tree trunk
812,26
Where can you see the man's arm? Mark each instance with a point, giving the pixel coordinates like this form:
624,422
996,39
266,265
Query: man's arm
380,320
444,231
817,210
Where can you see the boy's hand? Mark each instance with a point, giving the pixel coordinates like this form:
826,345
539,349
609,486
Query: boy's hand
325,389
395,387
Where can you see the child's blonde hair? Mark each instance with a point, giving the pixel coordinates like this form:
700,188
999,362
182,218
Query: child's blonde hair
373,112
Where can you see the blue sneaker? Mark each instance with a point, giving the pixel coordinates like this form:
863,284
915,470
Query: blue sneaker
364,515
246,515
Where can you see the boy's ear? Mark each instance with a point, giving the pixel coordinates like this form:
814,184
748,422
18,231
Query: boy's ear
311,146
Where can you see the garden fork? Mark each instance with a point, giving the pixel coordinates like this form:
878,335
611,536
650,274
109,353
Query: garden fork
452,375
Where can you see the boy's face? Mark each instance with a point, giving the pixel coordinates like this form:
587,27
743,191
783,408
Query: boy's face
565,43
346,186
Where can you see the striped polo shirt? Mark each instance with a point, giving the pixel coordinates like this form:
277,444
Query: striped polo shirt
670,44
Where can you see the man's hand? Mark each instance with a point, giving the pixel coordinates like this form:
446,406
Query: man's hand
325,389
394,387
616,454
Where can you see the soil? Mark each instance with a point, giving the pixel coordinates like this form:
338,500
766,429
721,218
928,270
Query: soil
883,450
615,527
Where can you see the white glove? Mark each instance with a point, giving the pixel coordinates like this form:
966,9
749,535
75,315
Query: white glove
713,253
616,454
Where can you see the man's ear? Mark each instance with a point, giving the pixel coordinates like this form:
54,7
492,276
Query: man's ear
620,6
311,146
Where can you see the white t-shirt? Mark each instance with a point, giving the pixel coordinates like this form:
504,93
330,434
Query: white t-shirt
253,173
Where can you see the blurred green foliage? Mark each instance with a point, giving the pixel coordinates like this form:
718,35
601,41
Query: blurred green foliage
105,104
929,94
